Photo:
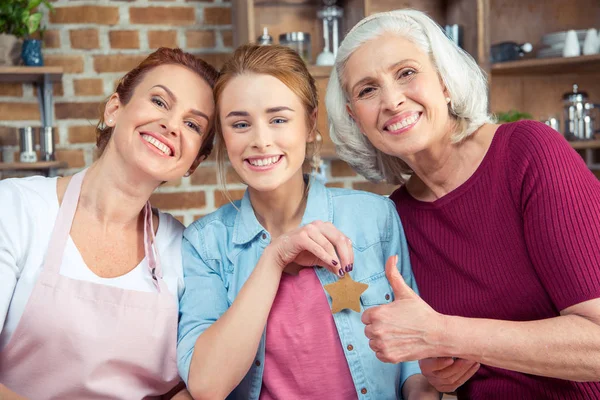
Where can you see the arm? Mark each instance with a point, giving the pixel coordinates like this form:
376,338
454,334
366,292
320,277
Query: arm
208,336
417,387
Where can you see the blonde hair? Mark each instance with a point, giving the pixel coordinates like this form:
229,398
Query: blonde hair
280,62
464,80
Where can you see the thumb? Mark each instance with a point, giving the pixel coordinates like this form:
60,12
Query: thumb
400,288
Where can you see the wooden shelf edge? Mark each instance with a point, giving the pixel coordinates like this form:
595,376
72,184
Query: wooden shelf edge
547,65
32,166
320,71
30,74
585,144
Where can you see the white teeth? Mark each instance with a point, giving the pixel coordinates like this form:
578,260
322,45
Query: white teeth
405,122
157,143
263,162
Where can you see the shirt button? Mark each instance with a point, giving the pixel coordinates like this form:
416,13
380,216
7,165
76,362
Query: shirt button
387,296
257,363
350,347
363,390
264,235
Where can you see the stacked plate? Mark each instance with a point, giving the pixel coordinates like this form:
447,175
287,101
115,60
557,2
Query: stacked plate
555,42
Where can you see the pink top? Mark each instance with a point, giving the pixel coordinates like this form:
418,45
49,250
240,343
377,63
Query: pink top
304,358
518,241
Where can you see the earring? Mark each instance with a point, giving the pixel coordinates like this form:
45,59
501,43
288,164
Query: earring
448,100
110,121
187,174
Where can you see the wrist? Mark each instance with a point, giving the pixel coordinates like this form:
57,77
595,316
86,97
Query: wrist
272,256
449,343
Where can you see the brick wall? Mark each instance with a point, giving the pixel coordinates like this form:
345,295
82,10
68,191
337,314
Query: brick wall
96,42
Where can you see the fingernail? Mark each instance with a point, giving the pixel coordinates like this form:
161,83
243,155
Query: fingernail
347,268
334,262
351,266
341,272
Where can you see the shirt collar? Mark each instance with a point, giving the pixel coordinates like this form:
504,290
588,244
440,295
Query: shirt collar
318,207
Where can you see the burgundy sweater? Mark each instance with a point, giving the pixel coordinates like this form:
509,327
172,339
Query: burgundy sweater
519,241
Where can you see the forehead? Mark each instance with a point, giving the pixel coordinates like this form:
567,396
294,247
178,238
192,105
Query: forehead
258,90
174,77
378,54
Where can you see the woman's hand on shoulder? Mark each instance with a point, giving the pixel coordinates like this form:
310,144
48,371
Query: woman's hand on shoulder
317,243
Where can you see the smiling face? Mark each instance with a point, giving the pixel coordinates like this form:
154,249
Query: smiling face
396,96
265,130
159,131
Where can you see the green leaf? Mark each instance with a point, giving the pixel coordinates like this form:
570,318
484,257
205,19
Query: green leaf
34,23
33,4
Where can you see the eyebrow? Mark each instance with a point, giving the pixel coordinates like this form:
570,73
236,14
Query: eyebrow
369,78
270,110
172,95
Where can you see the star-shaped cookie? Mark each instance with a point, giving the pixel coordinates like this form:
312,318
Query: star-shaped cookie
345,293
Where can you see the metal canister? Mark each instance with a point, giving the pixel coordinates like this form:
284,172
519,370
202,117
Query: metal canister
26,145
47,143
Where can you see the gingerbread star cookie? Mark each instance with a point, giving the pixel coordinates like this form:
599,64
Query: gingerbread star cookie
345,293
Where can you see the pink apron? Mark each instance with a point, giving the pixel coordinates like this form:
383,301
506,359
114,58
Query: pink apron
83,340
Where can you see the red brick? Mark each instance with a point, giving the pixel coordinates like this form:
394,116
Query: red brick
52,39
11,89
19,111
379,188
221,199
74,158
57,89
162,15
88,87
84,39
217,16
82,134
208,176
158,39
335,184
227,38
77,110
173,183
8,136
117,62
200,39
196,217
70,64
180,218
178,201
340,168
124,39
85,15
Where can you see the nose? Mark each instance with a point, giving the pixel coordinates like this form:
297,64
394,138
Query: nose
169,125
392,97
261,138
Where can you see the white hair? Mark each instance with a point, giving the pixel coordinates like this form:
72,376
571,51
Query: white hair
464,80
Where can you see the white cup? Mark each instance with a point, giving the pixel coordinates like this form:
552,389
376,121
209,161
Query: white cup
590,44
571,48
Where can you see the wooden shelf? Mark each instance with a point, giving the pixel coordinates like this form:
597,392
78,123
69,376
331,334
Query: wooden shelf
548,66
320,71
585,144
32,166
30,74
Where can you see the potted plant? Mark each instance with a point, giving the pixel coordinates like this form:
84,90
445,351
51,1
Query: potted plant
19,19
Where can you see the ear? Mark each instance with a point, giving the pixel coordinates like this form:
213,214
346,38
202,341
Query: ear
195,164
111,110
312,135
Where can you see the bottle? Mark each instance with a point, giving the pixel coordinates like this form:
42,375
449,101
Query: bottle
265,38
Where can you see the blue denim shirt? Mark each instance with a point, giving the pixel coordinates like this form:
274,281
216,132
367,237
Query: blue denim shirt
221,250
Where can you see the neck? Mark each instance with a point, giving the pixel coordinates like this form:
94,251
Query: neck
445,166
113,193
280,210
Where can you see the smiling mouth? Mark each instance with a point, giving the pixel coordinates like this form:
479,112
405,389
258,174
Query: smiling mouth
160,146
263,162
406,122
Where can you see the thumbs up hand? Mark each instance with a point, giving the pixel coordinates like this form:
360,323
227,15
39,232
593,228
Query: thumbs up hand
407,329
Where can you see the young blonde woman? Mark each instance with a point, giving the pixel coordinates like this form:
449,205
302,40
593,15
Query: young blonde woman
90,275
255,322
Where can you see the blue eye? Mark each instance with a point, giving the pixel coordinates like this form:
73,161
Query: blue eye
241,125
193,126
279,121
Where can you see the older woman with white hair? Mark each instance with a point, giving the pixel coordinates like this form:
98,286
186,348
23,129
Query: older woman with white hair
501,220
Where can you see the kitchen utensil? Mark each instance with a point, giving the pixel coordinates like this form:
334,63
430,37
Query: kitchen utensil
299,41
47,143
578,115
26,145
509,51
265,38
330,14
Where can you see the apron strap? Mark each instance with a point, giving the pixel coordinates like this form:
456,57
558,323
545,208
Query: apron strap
150,247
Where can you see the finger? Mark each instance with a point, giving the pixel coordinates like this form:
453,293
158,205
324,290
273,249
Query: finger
367,317
453,383
342,244
323,258
456,370
400,288
315,234
434,364
461,379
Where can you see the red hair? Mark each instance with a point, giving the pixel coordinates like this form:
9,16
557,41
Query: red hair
129,82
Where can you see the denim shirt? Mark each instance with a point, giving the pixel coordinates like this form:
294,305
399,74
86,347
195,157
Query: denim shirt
221,250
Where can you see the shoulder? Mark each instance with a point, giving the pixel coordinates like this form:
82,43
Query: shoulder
170,228
531,139
215,228
37,191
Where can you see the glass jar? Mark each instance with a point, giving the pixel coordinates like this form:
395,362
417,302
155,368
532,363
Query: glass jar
298,41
